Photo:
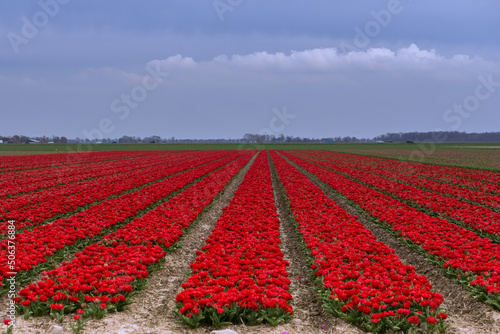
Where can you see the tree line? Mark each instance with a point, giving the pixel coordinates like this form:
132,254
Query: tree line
444,136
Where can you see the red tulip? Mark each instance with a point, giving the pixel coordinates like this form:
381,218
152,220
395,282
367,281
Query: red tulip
414,320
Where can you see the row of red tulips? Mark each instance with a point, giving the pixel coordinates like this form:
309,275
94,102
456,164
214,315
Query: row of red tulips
390,170
165,224
240,274
463,255
104,275
484,181
104,173
35,247
482,161
25,162
364,281
473,178
95,282
93,172
92,191
475,217
19,182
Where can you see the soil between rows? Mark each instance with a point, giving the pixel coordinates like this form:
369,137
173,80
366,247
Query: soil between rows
465,313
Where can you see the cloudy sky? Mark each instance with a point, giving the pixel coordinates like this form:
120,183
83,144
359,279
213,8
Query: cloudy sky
223,68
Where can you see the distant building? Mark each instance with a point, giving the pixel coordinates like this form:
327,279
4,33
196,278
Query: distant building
31,140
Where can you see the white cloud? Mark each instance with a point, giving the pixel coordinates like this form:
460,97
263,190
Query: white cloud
413,52
177,61
327,60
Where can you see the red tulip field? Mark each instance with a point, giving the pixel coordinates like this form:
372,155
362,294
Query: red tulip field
296,241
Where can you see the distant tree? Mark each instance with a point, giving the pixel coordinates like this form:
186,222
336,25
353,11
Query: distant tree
126,140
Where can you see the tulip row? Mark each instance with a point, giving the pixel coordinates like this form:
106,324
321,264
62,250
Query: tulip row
35,247
398,173
102,277
463,255
101,174
25,162
240,274
86,193
38,181
474,217
364,281
484,181
16,183
431,170
95,282
482,160
165,225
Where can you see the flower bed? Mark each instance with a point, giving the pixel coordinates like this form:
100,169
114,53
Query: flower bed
240,274
475,217
364,281
463,255
104,275
36,247
413,177
94,191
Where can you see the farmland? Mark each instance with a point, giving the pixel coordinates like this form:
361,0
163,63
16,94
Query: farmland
258,239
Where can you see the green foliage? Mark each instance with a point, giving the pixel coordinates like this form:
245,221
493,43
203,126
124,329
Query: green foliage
232,315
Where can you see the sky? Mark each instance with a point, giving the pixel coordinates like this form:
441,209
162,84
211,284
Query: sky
224,68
